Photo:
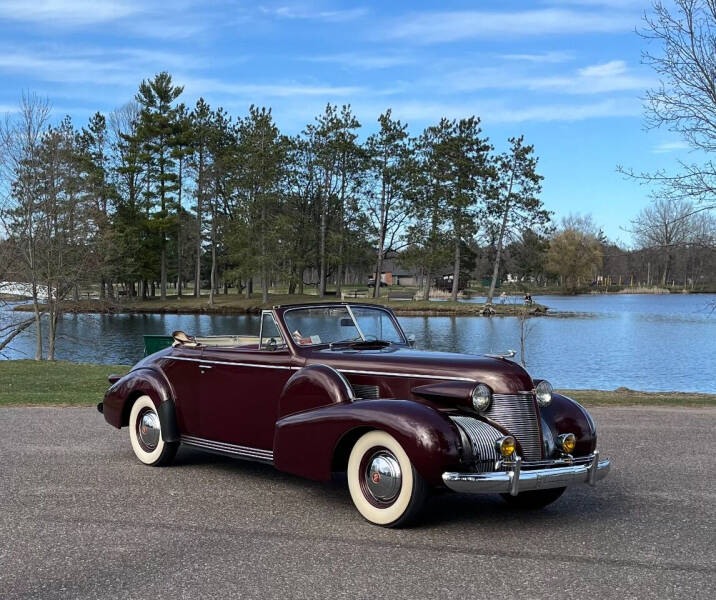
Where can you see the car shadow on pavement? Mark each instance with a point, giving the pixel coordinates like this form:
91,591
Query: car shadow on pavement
442,506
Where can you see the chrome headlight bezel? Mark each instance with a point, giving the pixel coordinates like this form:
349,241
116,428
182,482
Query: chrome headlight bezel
544,392
481,397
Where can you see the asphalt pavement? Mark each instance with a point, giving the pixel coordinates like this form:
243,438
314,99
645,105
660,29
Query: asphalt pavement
80,517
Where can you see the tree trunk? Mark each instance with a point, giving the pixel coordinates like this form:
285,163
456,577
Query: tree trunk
54,313
38,324
322,248
212,281
381,243
456,270
501,237
179,282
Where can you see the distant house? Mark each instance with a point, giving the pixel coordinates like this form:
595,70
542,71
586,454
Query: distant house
394,274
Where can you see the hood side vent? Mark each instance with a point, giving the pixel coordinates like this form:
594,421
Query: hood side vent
366,392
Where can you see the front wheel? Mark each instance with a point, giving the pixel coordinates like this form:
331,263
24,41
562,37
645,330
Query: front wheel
145,434
534,499
384,485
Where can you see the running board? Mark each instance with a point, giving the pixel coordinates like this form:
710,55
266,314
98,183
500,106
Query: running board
233,450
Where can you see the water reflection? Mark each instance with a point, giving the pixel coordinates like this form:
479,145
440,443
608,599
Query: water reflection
656,343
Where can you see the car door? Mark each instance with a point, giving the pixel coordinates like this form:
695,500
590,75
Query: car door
240,388
181,368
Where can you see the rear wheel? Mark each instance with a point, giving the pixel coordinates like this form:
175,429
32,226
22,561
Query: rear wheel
534,499
384,485
145,434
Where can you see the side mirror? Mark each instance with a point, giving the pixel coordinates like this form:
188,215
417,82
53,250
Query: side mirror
411,340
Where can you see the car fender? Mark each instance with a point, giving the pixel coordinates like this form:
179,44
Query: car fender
565,415
314,386
144,381
307,443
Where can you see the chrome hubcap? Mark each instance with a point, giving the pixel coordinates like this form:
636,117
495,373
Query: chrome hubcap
383,477
148,430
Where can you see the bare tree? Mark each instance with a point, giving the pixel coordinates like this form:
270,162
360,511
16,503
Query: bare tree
684,101
664,225
20,138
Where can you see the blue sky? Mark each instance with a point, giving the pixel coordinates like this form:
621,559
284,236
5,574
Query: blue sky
566,73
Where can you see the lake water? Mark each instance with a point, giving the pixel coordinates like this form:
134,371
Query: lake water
643,342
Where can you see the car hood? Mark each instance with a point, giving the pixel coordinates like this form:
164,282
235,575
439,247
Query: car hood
502,375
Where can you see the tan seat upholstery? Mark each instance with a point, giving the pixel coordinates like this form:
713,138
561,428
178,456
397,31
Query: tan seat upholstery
223,341
228,340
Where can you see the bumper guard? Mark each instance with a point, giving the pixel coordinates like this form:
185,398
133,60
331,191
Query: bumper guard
516,480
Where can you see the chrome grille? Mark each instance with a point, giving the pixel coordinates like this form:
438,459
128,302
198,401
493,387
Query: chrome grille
482,438
366,392
518,415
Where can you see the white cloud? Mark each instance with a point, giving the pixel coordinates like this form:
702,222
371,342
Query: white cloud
436,27
613,76
566,112
644,4
363,61
665,147
298,12
289,89
543,57
67,12
490,111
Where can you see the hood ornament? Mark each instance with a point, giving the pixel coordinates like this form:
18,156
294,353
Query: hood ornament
508,354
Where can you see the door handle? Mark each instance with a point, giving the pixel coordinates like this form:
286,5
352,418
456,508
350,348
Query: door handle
204,367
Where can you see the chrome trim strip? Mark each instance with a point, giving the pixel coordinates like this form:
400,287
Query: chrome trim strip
230,364
516,480
230,449
355,322
414,375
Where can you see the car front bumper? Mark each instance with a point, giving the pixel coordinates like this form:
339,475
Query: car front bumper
518,480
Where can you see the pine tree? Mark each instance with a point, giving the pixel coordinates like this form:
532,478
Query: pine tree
158,125
392,169
513,203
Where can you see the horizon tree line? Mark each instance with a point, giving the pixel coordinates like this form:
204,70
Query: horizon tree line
158,195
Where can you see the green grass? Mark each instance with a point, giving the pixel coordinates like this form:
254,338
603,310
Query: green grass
627,397
32,382
29,382
235,304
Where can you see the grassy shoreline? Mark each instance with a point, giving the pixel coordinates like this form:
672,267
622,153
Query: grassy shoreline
32,383
234,304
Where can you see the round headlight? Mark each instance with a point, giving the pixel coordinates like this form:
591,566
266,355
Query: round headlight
506,446
544,393
567,442
481,397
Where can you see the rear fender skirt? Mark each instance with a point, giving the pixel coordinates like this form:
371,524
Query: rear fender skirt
304,443
168,421
564,415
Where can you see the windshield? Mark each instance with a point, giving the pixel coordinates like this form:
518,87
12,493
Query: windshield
333,324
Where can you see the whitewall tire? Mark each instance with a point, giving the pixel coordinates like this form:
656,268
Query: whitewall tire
145,434
383,483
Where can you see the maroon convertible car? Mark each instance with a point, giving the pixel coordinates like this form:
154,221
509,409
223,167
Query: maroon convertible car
334,387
